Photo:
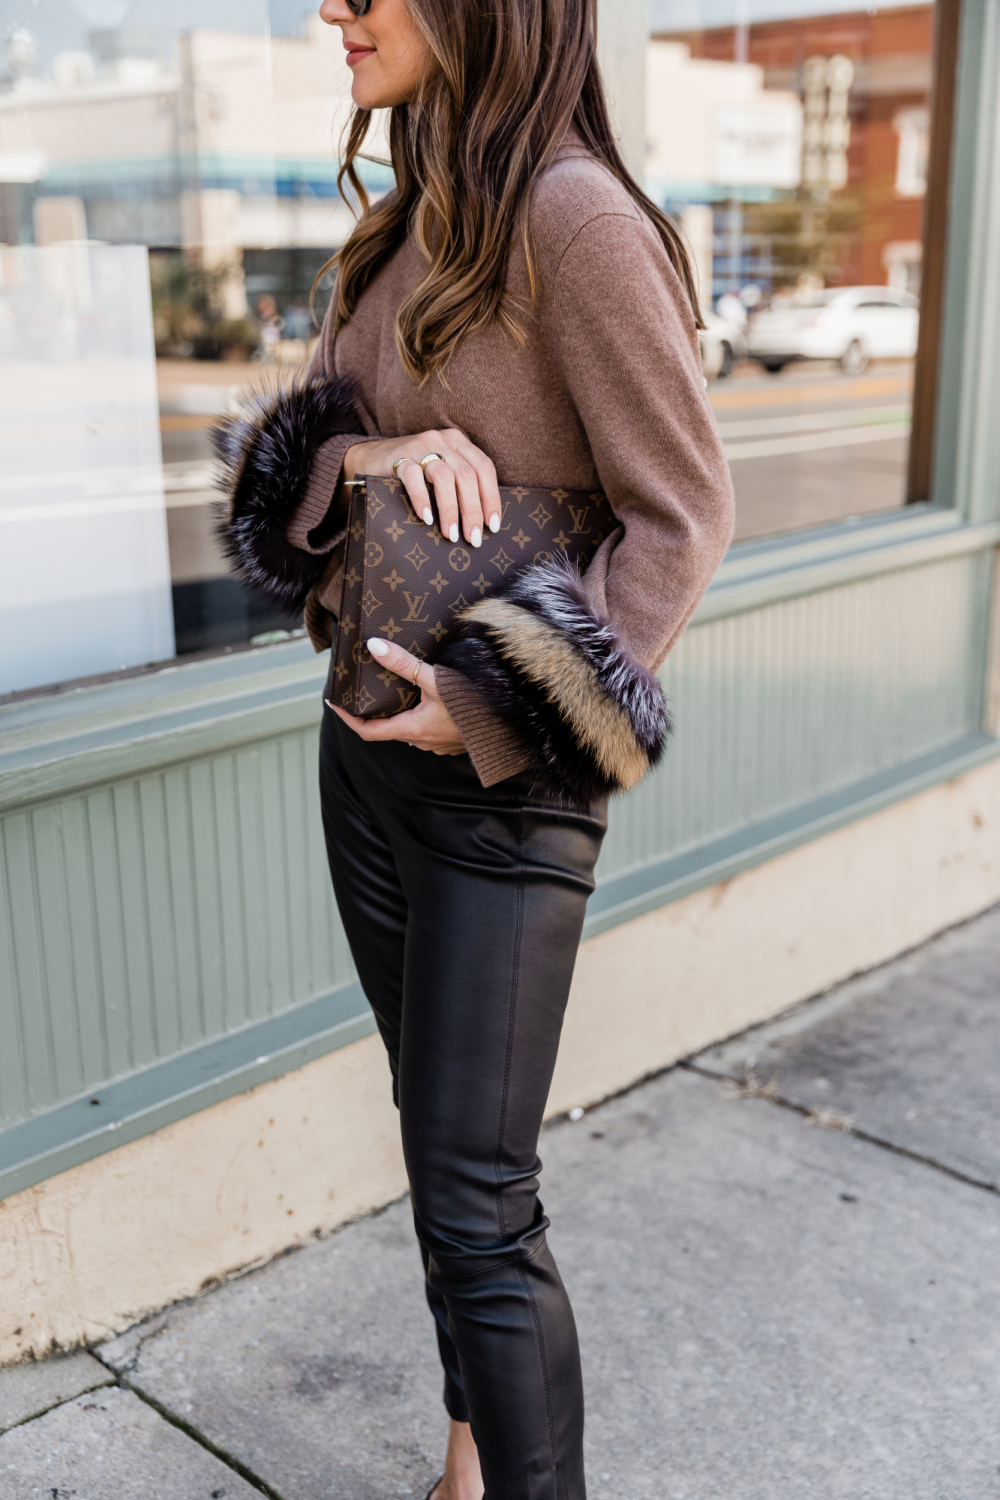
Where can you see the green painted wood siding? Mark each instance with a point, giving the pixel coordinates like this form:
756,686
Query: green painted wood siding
777,705
142,917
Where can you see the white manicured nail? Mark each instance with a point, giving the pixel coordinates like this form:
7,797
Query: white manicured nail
428,515
494,523
453,532
377,647
477,537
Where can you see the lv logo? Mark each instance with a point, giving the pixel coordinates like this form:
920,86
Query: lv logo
579,514
415,603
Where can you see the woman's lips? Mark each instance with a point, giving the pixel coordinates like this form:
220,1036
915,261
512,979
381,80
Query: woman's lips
355,54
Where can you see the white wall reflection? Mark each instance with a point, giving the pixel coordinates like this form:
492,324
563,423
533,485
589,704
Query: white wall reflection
84,565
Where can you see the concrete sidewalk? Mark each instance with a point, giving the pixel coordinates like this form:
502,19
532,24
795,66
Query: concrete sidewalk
784,1257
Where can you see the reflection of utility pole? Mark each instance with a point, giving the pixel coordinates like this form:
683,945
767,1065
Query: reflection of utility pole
698,225
826,85
622,30
734,242
188,173
209,215
741,48
734,213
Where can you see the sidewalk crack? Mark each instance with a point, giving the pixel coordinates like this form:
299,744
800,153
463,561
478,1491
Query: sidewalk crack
196,1436
749,1089
43,1411
155,1326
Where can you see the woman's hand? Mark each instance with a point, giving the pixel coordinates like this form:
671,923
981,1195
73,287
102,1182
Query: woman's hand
464,479
429,726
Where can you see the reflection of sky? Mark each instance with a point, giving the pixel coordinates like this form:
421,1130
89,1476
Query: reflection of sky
62,25
689,15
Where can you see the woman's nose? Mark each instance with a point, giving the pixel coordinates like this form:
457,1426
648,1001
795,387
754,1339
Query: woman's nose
334,12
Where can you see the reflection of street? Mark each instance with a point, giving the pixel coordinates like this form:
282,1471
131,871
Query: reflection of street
192,396
807,446
211,607
812,444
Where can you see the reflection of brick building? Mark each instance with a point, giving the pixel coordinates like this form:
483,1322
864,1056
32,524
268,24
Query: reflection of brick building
888,109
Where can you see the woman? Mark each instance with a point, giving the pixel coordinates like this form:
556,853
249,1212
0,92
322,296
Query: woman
516,311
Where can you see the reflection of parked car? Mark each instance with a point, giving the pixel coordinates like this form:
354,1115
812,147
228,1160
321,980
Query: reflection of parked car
853,325
722,344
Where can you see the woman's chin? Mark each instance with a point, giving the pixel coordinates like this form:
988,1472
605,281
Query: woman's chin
366,98
366,91
375,93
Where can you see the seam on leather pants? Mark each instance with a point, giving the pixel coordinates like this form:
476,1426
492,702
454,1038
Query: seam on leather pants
544,1363
517,1257
511,1017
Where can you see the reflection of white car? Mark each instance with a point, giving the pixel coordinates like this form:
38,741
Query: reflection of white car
853,325
722,344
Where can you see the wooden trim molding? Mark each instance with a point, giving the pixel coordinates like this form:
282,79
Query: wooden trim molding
991,722
127,1108
935,238
89,736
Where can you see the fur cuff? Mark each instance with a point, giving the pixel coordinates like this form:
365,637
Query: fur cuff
593,719
266,454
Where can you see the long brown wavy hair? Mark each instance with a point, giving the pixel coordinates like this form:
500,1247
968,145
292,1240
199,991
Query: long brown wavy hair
508,78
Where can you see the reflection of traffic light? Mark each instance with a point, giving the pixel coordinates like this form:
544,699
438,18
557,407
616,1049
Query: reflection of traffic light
826,83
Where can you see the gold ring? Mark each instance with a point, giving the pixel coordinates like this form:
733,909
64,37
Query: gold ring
417,674
428,458
397,464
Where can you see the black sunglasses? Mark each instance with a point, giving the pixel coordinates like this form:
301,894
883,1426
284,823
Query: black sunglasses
359,7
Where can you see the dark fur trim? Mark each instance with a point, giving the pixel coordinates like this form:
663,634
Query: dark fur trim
266,455
594,719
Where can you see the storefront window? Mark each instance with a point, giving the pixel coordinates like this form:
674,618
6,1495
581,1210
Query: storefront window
793,138
168,194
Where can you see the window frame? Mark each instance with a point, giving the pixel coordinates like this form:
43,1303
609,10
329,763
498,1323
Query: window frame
957,507
100,734
962,511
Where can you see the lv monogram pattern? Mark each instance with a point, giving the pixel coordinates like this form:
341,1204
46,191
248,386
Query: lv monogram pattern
406,582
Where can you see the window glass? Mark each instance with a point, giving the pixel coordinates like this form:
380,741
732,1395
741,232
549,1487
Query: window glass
168,195
792,139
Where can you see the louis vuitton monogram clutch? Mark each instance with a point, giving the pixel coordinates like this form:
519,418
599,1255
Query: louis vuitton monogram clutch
404,581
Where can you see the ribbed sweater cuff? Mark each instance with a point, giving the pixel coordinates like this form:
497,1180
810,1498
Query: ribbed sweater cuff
495,751
324,479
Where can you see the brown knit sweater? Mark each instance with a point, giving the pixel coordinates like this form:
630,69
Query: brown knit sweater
606,391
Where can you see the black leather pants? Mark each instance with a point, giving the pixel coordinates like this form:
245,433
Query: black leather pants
463,909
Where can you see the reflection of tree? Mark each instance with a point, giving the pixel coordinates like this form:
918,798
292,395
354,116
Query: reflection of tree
187,310
804,234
